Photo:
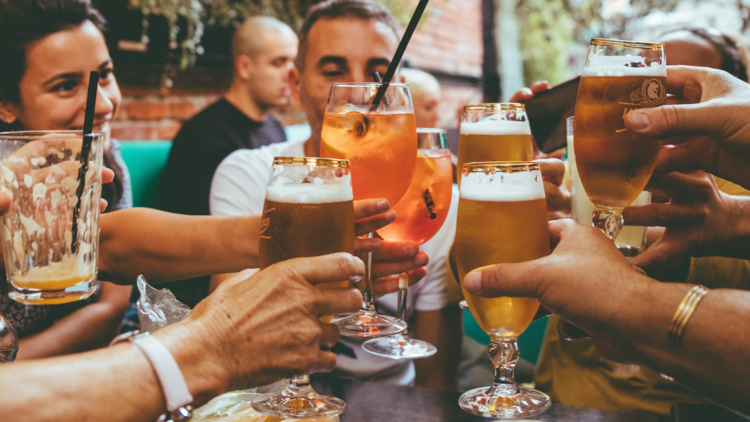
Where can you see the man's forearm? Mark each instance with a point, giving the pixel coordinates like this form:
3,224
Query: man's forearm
712,359
167,247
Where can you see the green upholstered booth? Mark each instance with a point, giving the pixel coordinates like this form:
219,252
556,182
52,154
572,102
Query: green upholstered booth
146,161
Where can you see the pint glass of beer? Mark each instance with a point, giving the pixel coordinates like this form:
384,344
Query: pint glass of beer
51,231
614,164
494,132
380,141
421,213
502,218
308,212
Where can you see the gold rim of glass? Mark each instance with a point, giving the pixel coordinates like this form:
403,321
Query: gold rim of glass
500,167
312,162
603,42
494,106
32,134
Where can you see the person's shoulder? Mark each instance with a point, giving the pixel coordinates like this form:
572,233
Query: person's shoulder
208,119
264,154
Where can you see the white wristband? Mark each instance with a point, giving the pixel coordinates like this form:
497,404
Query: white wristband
173,384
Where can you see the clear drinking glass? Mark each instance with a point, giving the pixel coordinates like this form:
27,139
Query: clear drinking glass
308,212
632,239
494,132
421,214
614,165
50,238
381,143
502,218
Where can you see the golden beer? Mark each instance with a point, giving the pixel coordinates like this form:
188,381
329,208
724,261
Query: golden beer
306,220
494,132
614,164
502,218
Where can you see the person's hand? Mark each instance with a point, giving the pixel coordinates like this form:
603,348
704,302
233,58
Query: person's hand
710,103
259,329
700,221
389,258
557,196
586,281
525,94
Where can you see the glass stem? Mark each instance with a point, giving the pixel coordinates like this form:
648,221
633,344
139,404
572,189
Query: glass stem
608,221
504,354
403,286
299,386
368,301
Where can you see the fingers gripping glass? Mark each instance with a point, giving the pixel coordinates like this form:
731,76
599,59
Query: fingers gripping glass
308,212
614,164
421,214
381,144
502,218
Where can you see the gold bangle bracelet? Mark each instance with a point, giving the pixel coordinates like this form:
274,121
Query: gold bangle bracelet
684,312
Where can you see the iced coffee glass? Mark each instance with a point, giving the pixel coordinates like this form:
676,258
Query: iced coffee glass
50,238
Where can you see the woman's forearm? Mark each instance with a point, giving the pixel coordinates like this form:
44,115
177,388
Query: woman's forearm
115,384
712,359
88,328
166,247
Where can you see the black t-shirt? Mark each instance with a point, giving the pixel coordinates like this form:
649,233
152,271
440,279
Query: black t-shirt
197,150
200,146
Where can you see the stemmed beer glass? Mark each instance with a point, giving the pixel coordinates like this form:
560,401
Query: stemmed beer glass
614,164
308,211
380,141
421,214
502,218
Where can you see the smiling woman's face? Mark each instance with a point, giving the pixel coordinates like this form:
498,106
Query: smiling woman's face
54,86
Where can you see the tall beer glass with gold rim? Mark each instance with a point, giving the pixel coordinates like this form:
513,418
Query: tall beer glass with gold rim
380,141
308,212
502,218
613,163
494,132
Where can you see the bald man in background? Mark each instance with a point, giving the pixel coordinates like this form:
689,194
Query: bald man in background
263,53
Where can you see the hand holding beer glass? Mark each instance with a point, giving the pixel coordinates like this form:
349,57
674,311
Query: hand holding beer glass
49,257
421,213
614,164
502,218
308,212
380,141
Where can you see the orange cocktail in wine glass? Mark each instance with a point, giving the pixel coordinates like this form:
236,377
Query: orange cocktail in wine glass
380,141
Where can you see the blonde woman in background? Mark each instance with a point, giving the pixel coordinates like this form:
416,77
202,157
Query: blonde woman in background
425,92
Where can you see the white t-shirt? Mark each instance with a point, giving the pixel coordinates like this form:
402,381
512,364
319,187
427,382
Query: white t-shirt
239,188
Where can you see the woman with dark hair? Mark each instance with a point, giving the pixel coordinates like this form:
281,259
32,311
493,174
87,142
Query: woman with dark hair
47,49
705,47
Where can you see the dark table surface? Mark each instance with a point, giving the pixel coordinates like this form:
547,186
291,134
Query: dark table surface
369,401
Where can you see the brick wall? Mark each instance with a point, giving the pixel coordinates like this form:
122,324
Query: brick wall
448,44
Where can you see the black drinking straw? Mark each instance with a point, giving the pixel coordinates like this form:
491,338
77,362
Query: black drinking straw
399,53
88,138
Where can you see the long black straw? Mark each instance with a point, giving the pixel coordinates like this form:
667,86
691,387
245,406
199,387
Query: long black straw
88,138
399,53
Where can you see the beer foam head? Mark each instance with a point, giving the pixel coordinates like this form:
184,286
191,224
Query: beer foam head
496,127
308,193
617,66
502,187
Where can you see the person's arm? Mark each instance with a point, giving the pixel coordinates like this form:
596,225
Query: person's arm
590,285
88,328
443,329
166,247
250,332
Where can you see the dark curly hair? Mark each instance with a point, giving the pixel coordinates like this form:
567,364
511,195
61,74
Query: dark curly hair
23,22
731,53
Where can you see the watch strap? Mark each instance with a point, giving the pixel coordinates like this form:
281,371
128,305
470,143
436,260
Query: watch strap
176,393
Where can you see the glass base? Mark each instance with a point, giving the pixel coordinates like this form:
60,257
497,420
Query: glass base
630,251
399,347
299,403
368,324
523,403
80,291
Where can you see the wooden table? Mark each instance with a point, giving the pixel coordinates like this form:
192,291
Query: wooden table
380,402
